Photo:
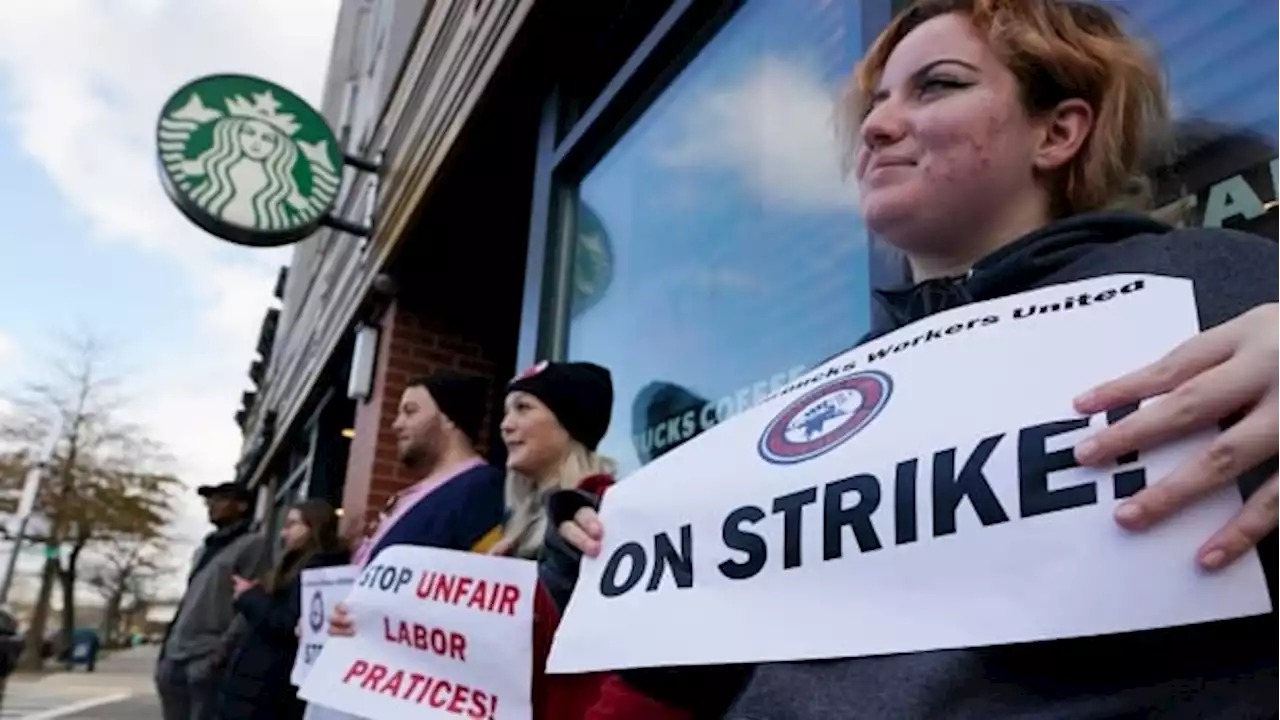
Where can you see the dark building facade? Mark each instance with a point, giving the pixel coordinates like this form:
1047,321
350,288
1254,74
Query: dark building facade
652,185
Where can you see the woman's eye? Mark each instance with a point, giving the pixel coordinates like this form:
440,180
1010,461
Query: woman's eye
938,84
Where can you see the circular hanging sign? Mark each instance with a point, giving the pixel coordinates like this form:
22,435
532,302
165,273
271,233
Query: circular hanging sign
592,260
247,160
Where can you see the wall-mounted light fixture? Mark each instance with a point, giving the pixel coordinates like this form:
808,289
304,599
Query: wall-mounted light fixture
348,433
363,355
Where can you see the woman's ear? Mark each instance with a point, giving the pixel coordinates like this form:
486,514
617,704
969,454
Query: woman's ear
1064,131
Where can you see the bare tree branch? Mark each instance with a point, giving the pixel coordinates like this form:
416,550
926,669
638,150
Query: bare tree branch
106,489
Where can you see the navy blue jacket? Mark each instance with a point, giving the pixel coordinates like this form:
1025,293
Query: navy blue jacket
464,513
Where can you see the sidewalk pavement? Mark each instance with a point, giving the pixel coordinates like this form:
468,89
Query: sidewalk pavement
121,687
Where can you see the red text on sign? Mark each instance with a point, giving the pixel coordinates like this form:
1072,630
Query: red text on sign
437,693
483,595
441,642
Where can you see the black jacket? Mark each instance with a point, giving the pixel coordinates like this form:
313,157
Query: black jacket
255,685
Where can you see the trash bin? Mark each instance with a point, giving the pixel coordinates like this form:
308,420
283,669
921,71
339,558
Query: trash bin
10,649
85,645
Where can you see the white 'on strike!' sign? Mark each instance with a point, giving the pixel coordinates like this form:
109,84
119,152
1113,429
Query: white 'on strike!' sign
439,634
322,588
915,493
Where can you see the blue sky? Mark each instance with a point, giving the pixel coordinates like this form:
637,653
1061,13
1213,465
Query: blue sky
53,278
90,243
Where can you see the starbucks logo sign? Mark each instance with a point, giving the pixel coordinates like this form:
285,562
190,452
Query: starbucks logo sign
247,160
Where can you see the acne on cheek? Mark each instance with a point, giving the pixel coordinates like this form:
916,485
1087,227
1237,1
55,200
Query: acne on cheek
966,151
956,166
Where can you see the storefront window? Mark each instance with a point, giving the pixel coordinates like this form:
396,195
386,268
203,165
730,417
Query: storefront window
719,251
1220,58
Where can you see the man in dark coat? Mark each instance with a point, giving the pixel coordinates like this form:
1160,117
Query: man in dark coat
196,644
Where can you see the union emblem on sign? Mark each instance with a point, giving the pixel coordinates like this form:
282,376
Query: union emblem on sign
823,418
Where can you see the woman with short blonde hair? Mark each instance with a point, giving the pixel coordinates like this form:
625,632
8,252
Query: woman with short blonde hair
555,415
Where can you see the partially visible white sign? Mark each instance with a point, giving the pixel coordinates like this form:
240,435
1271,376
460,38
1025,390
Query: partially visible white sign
916,493
440,634
322,588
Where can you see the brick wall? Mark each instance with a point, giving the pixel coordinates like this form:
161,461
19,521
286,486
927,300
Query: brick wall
410,344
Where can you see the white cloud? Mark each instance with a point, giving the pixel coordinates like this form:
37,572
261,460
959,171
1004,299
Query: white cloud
88,78
774,128
10,352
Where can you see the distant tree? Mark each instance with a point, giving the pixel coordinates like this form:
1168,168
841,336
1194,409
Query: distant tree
125,572
105,483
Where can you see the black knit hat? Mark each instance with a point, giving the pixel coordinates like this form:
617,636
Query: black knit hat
462,398
235,491
579,394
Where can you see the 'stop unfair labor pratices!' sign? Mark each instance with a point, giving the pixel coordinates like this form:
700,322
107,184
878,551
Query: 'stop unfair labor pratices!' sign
918,492
322,588
439,634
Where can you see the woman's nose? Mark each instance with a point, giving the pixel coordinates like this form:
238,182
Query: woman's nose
883,126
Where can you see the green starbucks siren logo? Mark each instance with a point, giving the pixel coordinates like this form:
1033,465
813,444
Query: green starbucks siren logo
247,160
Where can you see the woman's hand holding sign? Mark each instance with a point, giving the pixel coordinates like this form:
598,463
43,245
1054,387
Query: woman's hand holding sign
584,531
340,623
1226,372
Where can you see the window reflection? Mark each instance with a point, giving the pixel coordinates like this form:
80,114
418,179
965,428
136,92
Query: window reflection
1219,176
719,249
1220,60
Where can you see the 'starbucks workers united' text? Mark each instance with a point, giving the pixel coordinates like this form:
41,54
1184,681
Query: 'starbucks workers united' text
247,160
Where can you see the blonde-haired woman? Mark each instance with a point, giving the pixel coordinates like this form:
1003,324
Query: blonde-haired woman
555,415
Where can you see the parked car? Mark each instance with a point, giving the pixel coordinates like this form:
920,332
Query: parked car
10,643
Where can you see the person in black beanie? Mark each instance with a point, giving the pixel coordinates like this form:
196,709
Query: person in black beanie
458,502
555,416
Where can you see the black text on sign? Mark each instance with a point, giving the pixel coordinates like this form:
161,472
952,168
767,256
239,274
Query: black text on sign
955,478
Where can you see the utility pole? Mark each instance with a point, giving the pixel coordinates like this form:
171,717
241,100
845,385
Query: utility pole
27,504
